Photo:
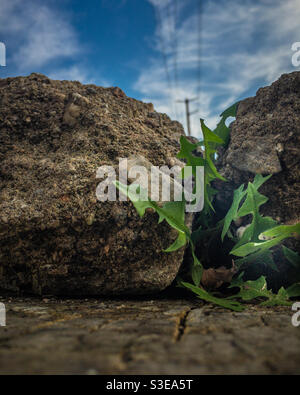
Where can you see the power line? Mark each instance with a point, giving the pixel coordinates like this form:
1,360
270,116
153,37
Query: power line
175,54
171,28
196,99
173,79
199,26
163,51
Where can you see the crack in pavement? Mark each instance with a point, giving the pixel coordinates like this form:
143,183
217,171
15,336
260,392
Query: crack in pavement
181,325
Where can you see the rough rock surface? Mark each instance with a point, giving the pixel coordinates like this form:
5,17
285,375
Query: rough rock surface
167,336
55,237
265,139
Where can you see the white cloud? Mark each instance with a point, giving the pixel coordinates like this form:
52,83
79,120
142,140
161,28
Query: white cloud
43,39
48,38
73,73
78,73
244,44
39,33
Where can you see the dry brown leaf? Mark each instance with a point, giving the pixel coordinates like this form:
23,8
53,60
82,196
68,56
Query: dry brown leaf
214,278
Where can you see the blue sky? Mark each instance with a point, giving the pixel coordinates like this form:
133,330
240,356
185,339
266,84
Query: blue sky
245,44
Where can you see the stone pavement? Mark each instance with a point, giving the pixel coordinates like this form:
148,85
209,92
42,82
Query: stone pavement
162,336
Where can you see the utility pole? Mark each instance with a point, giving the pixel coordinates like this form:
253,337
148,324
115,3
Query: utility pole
188,113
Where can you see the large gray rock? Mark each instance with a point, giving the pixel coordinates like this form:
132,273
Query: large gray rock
55,237
265,139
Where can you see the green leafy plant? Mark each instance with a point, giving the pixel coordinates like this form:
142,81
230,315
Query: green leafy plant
253,250
263,233
255,245
210,143
294,290
222,130
257,290
209,297
291,256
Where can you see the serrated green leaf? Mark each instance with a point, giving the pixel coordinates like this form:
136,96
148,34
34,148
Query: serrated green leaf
139,205
250,242
222,130
281,299
172,212
231,215
211,141
204,295
186,149
291,256
283,230
231,111
196,274
209,138
294,290
178,243
252,203
251,290
252,247
259,258
259,180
